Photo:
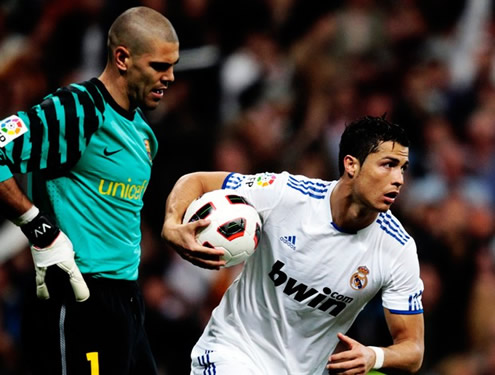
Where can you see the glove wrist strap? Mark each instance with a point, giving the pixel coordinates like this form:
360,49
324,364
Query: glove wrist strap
41,231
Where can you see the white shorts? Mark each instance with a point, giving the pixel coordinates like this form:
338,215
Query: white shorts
221,362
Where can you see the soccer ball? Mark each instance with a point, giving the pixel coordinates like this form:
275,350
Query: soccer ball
235,224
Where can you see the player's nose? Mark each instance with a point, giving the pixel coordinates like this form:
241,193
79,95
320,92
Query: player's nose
168,76
398,178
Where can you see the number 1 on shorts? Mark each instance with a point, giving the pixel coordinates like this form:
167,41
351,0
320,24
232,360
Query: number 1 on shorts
93,359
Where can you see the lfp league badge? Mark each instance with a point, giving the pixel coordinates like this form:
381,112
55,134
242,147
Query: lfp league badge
11,128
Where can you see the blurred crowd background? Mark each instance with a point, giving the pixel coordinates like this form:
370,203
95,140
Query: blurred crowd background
268,85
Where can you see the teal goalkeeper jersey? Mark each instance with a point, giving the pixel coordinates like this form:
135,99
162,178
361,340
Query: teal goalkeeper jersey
91,163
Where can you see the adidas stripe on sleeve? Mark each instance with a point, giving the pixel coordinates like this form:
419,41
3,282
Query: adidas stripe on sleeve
58,130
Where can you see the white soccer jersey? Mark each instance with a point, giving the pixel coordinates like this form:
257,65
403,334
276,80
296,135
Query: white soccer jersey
306,282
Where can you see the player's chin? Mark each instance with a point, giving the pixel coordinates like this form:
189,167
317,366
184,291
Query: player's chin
382,206
151,104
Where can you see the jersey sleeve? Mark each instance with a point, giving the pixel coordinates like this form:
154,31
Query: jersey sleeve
262,190
403,292
57,130
5,172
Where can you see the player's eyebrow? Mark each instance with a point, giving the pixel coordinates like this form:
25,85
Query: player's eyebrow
391,158
162,66
394,160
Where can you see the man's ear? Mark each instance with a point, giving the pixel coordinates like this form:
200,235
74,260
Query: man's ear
351,166
121,56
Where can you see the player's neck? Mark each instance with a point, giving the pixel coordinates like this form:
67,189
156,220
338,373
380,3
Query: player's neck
347,213
116,88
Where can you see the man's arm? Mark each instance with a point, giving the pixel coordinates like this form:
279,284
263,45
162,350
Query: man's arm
13,201
49,245
182,237
407,350
405,355
26,152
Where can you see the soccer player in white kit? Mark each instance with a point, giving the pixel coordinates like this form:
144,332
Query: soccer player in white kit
326,249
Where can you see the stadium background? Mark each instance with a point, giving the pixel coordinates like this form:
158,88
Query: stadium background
268,85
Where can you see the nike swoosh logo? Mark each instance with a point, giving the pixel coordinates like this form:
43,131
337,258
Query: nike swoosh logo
109,153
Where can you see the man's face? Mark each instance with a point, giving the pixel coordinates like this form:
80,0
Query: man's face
381,176
150,73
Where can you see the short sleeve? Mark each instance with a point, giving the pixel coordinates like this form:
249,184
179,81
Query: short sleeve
53,135
262,190
403,292
5,173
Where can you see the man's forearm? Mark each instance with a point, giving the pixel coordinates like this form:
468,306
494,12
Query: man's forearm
406,353
189,187
13,201
406,357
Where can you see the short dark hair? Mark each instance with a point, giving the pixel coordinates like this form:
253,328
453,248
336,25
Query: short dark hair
363,137
137,27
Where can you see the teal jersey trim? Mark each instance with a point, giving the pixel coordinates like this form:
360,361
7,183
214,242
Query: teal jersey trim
91,163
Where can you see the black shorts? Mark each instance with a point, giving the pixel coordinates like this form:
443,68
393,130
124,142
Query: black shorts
104,335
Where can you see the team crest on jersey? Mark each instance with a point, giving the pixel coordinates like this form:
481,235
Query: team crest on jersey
359,279
148,149
11,128
265,179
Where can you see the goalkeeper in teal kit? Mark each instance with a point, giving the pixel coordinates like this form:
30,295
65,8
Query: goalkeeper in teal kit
88,153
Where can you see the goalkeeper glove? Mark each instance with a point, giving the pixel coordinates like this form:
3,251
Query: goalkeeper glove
50,246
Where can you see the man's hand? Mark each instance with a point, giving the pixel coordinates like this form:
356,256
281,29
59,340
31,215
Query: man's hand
50,246
60,253
182,237
354,359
